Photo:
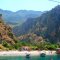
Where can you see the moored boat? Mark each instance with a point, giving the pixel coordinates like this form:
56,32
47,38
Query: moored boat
58,50
28,56
42,54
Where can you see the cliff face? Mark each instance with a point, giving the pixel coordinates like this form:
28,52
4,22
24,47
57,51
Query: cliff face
6,34
47,26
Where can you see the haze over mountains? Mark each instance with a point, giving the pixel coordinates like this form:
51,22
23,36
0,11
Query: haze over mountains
47,26
18,17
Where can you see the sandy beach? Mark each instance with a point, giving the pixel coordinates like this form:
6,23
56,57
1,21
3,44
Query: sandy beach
24,53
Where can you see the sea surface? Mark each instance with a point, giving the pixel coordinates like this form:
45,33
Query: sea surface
55,57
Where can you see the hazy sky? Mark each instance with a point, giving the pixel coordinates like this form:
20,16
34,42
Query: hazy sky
38,5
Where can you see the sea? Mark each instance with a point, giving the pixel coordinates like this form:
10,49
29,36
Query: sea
55,57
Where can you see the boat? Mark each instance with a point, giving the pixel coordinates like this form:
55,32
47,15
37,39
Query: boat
28,56
42,54
58,50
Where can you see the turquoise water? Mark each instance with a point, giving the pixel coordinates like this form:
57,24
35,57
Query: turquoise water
31,58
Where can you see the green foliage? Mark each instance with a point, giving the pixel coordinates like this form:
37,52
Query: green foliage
10,34
17,46
34,47
5,44
39,46
11,47
50,47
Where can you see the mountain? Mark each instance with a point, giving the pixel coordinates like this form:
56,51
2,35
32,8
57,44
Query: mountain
47,26
7,39
18,17
31,38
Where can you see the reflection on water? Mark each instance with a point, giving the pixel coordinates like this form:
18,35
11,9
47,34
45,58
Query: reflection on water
27,58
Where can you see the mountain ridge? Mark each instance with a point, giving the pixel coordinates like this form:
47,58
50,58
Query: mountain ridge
47,25
18,17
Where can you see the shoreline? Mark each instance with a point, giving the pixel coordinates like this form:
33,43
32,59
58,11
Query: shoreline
24,53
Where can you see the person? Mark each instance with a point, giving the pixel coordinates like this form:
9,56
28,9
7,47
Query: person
51,52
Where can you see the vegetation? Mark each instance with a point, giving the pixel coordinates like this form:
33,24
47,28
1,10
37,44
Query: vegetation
41,46
42,33
10,34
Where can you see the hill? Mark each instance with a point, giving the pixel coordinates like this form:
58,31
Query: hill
7,39
18,17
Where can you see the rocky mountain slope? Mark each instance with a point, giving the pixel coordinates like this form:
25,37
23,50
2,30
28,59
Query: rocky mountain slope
6,35
47,26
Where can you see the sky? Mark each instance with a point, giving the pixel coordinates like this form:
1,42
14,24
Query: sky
37,5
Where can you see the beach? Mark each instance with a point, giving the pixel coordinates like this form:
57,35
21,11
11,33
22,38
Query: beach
24,53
